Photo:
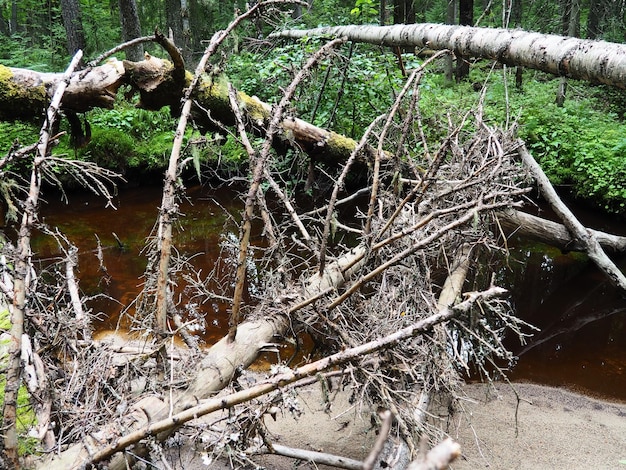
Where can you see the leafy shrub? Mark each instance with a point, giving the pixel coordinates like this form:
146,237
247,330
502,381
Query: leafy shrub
110,148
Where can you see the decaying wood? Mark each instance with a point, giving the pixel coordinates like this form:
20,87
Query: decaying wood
578,230
552,233
410,238
439,457
22,276
285,378
160,85
215,370
594,61
320,458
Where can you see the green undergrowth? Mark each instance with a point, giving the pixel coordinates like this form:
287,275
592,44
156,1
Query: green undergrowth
581,146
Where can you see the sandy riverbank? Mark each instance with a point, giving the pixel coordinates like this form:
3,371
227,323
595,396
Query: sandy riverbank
555,429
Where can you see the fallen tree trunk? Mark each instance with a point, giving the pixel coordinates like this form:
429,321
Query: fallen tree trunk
578,230
552,233
160,84
216,369
155,428
595,61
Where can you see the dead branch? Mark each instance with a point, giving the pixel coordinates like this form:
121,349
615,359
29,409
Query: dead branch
439,457
320,458
552,233
386,418
22,274
578,230
286,378
257,175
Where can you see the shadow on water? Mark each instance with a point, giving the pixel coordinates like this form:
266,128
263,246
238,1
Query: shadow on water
582,342
582,317
582,320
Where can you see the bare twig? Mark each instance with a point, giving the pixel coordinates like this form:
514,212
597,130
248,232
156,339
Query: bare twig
286,378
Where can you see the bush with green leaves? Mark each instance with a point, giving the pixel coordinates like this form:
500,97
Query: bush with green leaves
580,146
371,80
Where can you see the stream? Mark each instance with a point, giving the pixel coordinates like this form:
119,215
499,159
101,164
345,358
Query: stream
581,345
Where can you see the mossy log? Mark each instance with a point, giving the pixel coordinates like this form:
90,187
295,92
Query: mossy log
24,94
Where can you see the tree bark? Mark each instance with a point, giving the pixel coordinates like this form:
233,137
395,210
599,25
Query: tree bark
131,28
450,19
22,276
72,20
174,21
218,365
594,61
552,233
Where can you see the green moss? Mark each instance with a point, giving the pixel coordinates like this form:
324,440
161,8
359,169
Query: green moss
26,420
19,101
340,145
254,108
5,319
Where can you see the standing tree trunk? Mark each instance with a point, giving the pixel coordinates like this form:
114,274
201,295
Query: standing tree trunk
383,12
13,21
186,45
571,14
595,21
466,18
516,21
403,12
131,28
450,16
174,22
72,21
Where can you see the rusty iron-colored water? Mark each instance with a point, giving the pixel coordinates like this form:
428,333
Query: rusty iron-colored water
582,317
582,343
206,224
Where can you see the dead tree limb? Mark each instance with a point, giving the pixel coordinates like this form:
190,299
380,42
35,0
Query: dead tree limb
23,270
552,233
578,230
219,364
287,378
257,177
439,457
168,204
320,458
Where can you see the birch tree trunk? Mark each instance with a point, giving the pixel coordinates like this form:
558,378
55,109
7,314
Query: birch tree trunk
595,61
22,277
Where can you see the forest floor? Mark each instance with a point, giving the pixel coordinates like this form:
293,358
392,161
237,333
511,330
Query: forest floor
554,429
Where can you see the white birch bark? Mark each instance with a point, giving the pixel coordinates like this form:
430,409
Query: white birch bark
595,61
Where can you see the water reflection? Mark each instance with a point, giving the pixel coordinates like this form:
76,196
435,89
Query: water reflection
209,217
582,317
582,342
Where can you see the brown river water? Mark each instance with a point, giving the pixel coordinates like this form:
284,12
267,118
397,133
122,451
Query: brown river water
581,345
